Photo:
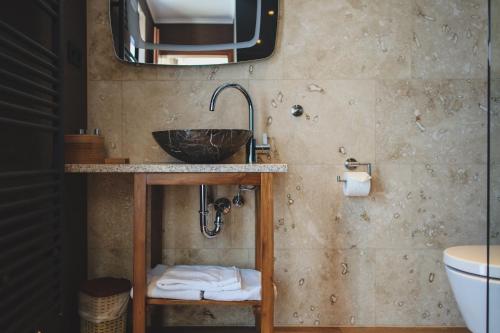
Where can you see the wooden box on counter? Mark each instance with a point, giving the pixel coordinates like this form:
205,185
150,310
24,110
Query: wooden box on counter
84,149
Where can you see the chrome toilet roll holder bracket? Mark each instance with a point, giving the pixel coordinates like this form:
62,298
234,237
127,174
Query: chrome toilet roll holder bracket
353,164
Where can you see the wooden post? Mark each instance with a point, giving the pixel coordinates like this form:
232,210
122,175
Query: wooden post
267,253
139,269
156,225
258,240
156,232
258,252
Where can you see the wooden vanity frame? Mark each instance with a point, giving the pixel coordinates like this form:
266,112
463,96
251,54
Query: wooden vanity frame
264,239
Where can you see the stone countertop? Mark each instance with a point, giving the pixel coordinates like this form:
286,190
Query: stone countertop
175,168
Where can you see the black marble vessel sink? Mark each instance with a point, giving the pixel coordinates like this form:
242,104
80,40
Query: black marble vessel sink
202,145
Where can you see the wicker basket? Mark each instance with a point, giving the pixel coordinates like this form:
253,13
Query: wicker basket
103,309
112,326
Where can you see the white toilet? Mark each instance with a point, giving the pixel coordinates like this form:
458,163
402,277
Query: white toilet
466,267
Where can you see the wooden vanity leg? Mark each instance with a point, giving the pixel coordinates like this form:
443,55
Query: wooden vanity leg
267,252
156,225
157,194
258,229
258,251
139,270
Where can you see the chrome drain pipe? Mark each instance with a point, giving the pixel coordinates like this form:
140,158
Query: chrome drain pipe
222,206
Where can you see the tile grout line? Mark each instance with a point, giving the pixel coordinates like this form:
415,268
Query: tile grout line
430,79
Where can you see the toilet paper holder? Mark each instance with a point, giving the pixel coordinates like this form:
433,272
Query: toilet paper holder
352,164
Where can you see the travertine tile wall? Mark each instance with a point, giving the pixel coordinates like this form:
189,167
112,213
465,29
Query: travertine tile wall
495,126
399,83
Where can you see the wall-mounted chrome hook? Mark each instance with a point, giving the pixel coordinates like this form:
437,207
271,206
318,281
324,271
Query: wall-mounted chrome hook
297,110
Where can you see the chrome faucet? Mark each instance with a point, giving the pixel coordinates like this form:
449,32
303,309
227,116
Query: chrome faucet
251,142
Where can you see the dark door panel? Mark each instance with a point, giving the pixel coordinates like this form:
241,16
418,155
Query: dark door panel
31,167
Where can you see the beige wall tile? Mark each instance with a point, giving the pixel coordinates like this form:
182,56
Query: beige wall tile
495,40
208,316
495,154
204,73
449,39
325,287
182,220
412,289
110,211
347,39
495,120
139,73
317,216
441,121
308,209
102,62
339,113
227,257
495,206
104,111
450,205
110,262
392,205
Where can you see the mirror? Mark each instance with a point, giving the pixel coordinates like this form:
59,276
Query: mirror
193,32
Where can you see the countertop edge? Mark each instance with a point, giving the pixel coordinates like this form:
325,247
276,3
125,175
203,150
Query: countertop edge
175,168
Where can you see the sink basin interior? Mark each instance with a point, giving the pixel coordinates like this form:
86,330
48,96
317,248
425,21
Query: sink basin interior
202,145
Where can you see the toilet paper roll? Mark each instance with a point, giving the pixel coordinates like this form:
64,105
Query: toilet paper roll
358,184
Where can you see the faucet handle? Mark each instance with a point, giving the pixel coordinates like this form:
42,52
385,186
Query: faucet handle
265,139
265,146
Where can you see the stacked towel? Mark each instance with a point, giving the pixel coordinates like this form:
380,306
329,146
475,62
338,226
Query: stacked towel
187,283
250,289
200,277
155,292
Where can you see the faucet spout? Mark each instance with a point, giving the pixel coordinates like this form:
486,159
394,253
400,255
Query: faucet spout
251,142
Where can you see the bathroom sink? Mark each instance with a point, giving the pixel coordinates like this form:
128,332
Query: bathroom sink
202,145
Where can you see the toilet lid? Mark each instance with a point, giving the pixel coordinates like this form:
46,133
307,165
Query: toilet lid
472,259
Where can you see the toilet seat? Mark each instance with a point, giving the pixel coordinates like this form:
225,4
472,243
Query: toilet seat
472,260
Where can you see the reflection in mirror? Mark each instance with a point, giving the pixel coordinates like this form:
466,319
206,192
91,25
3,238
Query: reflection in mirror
193,32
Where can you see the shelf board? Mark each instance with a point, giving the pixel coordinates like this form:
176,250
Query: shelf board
205,329
244,329
165,301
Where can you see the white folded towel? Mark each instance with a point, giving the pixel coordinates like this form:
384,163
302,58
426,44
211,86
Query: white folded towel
200,277
154,292
250,289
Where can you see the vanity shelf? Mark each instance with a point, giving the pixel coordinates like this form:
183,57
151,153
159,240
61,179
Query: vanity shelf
163,301
149,180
